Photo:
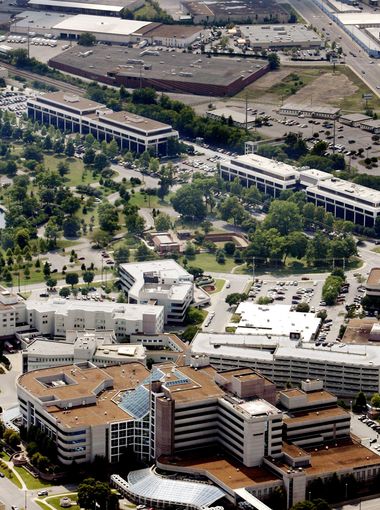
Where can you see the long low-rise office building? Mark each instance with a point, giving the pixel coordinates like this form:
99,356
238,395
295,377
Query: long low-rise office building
69,112
268,175
344,199
316,112
345,369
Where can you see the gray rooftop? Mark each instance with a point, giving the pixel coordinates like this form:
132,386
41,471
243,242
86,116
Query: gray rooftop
177,66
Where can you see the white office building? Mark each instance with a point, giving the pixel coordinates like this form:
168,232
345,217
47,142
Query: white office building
344,199
266,174
163,282
98,347
69,112
56,316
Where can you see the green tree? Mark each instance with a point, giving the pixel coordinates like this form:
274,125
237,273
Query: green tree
194,316
143,253
235,298
72,279
375,400
70,148
87,39
121,254
273,61
108,217
71,227
65,292
188,202
162,222
284,216
100,162
303,307
88,277
51,283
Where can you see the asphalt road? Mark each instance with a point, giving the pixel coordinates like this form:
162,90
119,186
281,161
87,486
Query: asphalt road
13,496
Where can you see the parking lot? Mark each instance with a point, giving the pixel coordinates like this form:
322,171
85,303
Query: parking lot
13,102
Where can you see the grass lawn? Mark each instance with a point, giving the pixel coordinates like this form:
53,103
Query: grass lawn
5,456
208,263
42,505
143,200
376,250
31,482
54,501
36,276
219,284
67,243
10,476
77,174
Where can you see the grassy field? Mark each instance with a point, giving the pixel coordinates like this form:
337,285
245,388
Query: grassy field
42,505
77,175
31,482
143,200
354,102
219,284
208,263
54,501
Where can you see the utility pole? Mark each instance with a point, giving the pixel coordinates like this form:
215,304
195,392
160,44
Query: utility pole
253,269
334,136
246,111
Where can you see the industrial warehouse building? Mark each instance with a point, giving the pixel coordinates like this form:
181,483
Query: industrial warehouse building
104,7
238,11
106,29
277,37
80,115
162,70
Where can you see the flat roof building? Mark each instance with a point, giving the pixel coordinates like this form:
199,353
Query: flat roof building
77,114
372,285
162,70
353,119
267,175
316,112
55,317
372,125
239,119
225,11
279,36
105,7
163,282
98,347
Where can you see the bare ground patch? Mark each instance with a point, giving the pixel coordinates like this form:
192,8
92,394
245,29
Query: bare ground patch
326,89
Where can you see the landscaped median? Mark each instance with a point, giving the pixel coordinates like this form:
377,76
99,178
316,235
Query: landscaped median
50,502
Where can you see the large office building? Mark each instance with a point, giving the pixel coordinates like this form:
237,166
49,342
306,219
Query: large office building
55,317
344,199
80,115
372,286
227,426
269,176
98,347
163,282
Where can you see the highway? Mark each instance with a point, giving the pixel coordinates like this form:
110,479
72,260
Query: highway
362,63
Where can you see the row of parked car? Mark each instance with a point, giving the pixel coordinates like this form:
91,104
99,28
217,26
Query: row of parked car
371,423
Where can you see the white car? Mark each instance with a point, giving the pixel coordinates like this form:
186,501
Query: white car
43,492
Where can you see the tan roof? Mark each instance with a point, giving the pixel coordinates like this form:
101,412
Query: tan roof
313,396
358,330
229,471
334,412
177,31
85,382
133,120
71,100
374,276
293,393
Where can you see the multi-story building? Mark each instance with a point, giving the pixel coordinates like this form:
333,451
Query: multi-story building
372,285
344,199
163,282
171,410
312,417
12,314
80,115
99,347
55,317
176,414
267,175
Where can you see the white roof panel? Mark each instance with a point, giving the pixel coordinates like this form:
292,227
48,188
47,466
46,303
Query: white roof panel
77,5
101,24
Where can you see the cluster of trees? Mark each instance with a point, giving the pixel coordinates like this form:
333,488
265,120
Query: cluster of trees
41,448
315,504
360,403
96,494
332,286
150,12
